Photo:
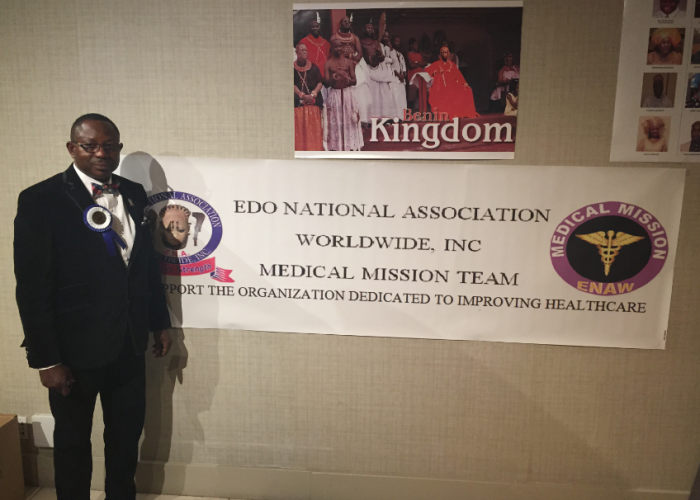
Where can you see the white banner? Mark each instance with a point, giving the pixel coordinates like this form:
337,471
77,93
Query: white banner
554,255
657,105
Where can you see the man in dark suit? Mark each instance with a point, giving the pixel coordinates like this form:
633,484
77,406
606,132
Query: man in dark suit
89,292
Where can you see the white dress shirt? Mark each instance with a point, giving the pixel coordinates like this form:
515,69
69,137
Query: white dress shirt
662,102
122,223
658,14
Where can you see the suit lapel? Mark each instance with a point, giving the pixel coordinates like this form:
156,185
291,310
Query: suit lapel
75,190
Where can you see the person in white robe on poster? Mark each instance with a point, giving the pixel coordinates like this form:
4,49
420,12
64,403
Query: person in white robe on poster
344,132
361,91
352,49
380,76
398,67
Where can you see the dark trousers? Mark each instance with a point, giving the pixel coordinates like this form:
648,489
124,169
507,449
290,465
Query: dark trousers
122,389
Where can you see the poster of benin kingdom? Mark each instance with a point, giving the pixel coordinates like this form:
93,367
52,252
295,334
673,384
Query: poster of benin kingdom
406,80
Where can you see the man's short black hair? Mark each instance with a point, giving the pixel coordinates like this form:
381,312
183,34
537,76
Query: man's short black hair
91,117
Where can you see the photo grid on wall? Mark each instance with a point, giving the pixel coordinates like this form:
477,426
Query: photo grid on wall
657,105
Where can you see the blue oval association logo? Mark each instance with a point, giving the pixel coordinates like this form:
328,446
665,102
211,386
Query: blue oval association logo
187,231
609,248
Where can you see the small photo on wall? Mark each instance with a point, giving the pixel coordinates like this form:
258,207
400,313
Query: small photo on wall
692,95
658,90
695,51
665,46
690,134
669,9
653,133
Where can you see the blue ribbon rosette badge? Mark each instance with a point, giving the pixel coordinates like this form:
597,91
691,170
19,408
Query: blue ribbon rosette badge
99,219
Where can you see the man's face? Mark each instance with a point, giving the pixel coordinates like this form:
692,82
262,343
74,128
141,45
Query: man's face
509,60
369,30
315,28
658,87
654,131
100,164
695,132
385,38
177,228
665,46
396,42
302,52
345,23
444,53
668,6
337,48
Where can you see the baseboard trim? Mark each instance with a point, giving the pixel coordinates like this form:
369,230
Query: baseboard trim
284,484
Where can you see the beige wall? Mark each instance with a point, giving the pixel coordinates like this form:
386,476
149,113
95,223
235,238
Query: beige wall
200,78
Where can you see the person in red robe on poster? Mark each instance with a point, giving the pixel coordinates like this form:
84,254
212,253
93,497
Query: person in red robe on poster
308,101
316,45
450,92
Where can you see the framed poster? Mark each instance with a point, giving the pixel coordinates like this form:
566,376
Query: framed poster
406,80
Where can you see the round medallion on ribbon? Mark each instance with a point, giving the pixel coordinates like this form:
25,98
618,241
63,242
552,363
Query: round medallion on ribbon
99,219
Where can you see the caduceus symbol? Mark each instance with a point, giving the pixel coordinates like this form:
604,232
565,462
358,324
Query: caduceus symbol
609,248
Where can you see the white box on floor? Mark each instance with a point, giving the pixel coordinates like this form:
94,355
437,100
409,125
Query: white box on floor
42,428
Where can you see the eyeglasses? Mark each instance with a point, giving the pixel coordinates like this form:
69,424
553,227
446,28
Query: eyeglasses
92,148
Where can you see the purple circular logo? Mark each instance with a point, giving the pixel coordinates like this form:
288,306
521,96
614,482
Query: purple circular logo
609,248
187,228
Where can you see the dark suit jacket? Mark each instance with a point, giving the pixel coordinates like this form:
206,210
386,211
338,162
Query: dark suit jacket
75,301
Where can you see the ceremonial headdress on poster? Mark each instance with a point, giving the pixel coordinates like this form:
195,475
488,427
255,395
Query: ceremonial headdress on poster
174,209
318,18
382,26
672,33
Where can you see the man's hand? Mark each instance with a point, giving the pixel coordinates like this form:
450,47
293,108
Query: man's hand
162,343
379,53
58,378
342,77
